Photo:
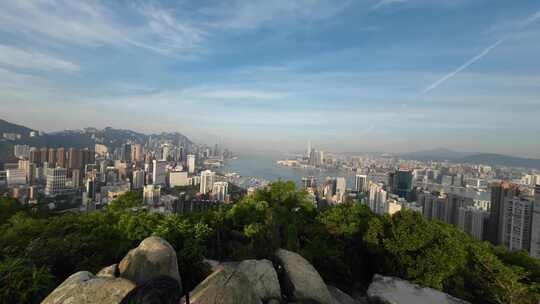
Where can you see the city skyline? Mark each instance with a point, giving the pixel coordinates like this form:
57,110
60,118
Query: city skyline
390,75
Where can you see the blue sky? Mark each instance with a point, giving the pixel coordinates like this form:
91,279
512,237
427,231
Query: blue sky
373,75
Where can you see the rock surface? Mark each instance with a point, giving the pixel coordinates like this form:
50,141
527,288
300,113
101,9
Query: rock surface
85,288
109,271
390,290
161,290
302,283
263,277
340,297
226,285
153,257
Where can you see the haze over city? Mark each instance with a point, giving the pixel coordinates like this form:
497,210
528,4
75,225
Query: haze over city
385,75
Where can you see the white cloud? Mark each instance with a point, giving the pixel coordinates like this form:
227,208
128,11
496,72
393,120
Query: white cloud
19,58
384,3
91,24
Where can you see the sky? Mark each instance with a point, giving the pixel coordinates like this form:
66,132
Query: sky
364,75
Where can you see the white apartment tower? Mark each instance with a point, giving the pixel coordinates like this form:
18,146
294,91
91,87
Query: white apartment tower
191,163
207,181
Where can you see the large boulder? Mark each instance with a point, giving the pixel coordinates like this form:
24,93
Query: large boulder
390,290
85,288
109,271
161,290
263,277
227,285
339,297
302,283
153,258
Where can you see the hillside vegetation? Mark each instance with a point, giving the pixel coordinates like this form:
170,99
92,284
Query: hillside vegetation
347,244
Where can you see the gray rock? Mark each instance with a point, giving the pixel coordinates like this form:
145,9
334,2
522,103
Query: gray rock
152,258
226,285
302,283
212,263
263,277
85,288
340,297
390,290
109,271
273,301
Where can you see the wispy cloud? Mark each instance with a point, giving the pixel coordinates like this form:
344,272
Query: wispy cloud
93,24
247,15
19,58
481,55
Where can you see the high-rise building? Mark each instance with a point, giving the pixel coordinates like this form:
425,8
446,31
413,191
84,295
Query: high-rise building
16,177
43,155
151,194
61,157
341,189
138,179
516,223
35,156
101,150
360,183
220,190
191,163
400,183
472,220
535,226
55,180
207,181
137,153
74,159
21,151
159,172
499,191
126,152
51,158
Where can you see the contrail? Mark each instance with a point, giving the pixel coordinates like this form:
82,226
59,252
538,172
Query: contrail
463,67
524,24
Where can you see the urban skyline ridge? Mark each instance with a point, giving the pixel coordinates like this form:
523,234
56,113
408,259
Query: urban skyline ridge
435,154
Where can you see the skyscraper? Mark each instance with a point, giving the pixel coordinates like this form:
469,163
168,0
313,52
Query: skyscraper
207,181
61,157
55,179
499,191
535,227
516,223
400,182
159,172
220,190
191,163
74,159
360,183
51,159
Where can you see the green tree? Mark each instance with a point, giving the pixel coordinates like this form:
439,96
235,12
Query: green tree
23,282
127,200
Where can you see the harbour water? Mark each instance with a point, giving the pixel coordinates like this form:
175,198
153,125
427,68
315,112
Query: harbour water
263,165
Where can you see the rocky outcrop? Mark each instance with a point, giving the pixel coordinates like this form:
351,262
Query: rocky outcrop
85,288
301,282
226,285
390,290
263,278
339,297
153,257
109,271
161,290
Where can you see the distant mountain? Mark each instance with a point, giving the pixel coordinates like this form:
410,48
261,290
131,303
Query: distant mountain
491,159
8,127
439,154
86,138
501,160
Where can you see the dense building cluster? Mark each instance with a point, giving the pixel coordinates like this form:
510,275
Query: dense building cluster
93,177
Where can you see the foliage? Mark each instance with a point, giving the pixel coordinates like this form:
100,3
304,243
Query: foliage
346,243
127,200
23,282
